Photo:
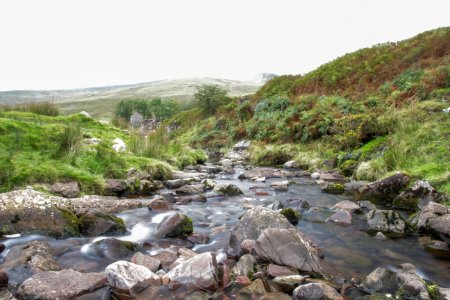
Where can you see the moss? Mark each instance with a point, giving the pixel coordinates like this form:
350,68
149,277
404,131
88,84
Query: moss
433,291
290,214
72,227
333,188
183,230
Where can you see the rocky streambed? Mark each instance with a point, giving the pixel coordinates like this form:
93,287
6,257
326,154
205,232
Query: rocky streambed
229,231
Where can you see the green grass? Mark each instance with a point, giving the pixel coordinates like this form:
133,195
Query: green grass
46,149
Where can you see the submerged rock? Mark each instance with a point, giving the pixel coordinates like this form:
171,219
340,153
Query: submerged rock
280,185
199,272
64,284
175,226
129,279
342,217
385,221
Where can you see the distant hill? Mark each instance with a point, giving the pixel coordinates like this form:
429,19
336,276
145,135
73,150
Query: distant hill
100,101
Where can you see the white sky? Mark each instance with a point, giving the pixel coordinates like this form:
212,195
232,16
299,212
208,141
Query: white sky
67,44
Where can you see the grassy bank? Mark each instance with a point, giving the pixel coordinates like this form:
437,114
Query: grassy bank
37,148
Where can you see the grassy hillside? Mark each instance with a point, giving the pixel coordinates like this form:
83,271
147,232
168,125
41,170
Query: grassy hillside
37,148
368,113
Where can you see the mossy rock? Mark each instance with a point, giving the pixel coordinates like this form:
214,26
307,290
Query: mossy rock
96,223
333,188
291,214
176,226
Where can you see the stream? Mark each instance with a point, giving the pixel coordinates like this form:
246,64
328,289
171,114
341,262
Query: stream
350,249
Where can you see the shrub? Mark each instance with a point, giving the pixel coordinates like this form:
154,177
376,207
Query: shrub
70,142
210,97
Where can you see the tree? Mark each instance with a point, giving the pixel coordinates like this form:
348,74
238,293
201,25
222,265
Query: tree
210,97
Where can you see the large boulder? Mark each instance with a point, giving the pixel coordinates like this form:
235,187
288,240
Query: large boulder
96,223
199,272
66,189
288,247
316,291
175,226
419,195
386,221
252,223
64,284
129,279
385,190
228,189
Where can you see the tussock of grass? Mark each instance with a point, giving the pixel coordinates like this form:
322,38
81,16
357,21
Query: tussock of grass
39,108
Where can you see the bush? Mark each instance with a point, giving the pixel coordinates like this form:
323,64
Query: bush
210,97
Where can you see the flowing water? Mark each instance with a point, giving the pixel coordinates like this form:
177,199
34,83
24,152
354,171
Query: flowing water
351,250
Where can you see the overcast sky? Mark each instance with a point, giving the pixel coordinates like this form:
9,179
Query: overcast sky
68,44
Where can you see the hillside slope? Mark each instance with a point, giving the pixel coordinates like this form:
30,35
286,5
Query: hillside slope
369,113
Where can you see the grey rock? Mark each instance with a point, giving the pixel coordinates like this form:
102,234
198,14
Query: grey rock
387,189
288,283
192,189
342,217
366,206
380,280
385,221
96,223
147,261
292,164
255,288
54,284
253,222
199,272
113,249
176,225
380,236
316,291
174,183
116,186
245,266
228,189
419,195
128,278
280,185
288,247
67,190
347,205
